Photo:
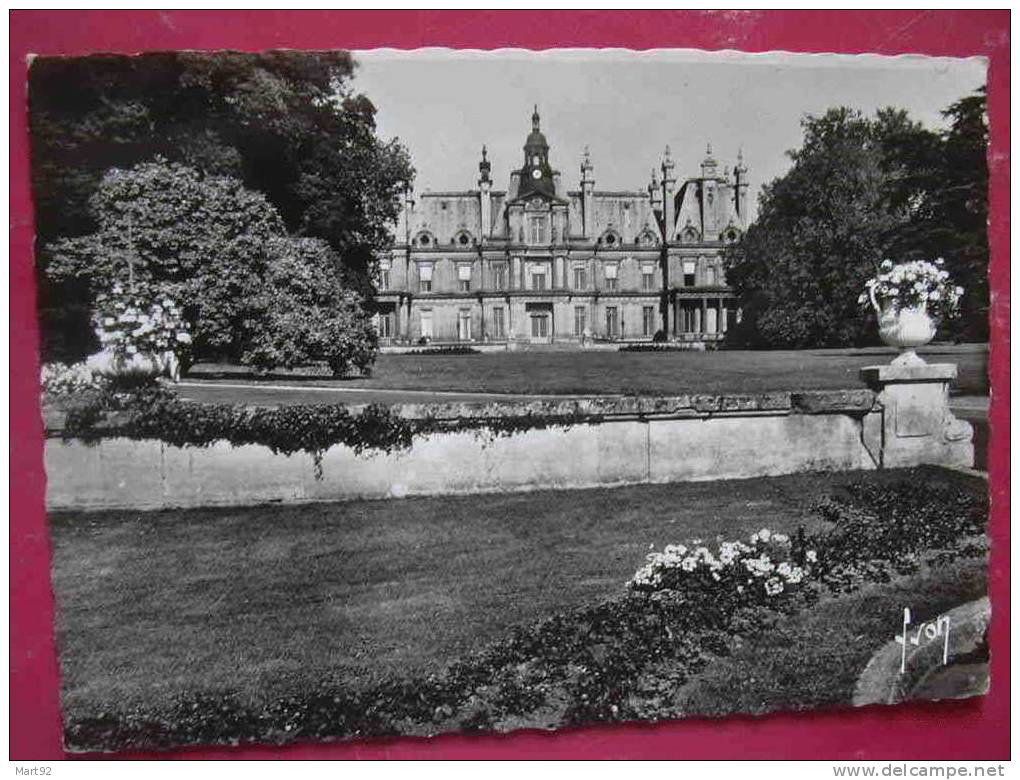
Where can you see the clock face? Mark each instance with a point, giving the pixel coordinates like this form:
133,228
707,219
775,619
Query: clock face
536,174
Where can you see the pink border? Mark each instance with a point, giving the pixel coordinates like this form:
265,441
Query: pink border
975,729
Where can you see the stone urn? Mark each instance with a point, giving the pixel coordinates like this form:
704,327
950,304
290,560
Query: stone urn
903,327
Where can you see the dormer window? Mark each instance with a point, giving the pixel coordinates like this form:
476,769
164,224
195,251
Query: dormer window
647,237
610,238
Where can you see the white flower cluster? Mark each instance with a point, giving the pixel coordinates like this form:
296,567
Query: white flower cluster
127,325
60,380
762,563
917,283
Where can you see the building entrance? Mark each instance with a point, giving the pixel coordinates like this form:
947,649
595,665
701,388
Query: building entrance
540,321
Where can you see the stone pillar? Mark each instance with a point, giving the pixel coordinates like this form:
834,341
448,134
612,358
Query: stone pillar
515,274
915,424
558,273
407,321
723,314
704,316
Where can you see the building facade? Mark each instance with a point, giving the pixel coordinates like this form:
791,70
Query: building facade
538,263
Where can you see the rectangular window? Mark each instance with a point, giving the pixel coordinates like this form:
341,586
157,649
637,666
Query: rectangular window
425,277
647,279
689,316
464,277
426,324
580,278
689,268
612,322
580,320
498,324
464,325
611,271
386,326
647,320
537,230
499,276
538,280
384,279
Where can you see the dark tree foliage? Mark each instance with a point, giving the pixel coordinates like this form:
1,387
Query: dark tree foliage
862,189
286,124
950,218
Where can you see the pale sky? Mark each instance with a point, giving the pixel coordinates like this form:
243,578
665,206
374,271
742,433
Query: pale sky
626,106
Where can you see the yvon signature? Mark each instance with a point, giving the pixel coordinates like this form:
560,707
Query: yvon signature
925,633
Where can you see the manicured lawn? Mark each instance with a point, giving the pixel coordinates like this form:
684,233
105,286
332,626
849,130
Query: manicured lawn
275,600
598,372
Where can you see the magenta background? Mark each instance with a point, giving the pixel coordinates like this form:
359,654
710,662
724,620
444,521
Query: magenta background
974,729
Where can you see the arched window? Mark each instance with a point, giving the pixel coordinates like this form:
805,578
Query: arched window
424,238
463,238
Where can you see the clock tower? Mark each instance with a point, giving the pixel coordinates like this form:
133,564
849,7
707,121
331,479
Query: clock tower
536,176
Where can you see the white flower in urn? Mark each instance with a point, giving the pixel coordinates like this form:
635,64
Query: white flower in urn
909,298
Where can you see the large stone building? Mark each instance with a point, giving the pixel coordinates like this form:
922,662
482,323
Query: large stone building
540,263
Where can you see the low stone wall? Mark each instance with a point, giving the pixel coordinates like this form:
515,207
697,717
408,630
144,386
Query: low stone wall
639,440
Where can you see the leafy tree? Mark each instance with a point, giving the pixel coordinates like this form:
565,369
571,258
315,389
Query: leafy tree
221,251
163,224
821,230
859,190
951,217
307,314
286,124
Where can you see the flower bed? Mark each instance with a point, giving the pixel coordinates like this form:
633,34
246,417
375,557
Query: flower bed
646,346
454,349
620,659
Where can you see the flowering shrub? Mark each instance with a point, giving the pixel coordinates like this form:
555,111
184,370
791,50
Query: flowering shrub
62,381
129,324
919,283
765,572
